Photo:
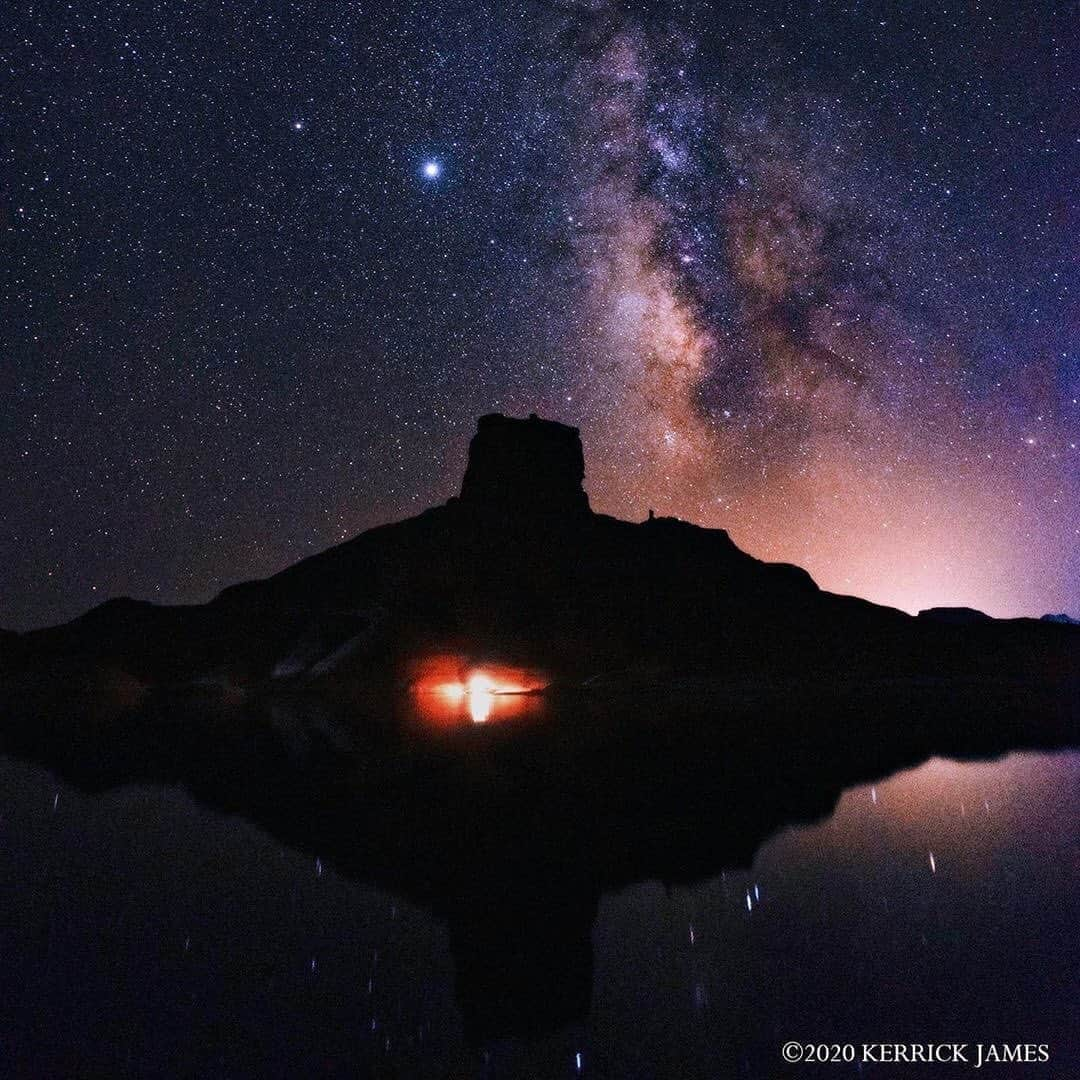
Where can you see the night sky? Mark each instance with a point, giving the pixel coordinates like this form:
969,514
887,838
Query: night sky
804,271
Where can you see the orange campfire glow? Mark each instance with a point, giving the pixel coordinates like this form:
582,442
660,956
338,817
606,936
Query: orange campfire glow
480,692
449,692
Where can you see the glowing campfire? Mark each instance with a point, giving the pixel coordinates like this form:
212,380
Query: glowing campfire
448,691
479,693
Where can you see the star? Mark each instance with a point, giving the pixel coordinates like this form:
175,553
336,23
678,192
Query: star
431,170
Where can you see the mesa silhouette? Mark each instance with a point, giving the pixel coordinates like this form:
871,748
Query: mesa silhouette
696,700
518,568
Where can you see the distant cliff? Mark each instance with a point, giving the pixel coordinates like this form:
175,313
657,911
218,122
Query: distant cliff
1066,620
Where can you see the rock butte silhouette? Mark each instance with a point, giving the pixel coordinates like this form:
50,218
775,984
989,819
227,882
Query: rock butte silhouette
519,568
697,699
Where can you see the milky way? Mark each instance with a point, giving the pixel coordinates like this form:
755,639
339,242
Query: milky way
776,343
806,272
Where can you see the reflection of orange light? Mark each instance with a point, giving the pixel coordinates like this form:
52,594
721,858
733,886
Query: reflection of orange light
480,703
477,695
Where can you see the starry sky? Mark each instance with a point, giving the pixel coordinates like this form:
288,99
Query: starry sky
806,271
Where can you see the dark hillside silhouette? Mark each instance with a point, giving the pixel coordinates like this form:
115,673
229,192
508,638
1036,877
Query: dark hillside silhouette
519,568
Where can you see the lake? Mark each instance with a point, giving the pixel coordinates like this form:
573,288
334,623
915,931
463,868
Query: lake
143,935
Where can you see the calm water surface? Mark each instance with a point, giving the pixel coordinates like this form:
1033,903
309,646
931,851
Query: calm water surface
141,935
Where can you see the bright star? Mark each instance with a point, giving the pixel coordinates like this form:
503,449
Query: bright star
431,169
